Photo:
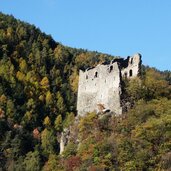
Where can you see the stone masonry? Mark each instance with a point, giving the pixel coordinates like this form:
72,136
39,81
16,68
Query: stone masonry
100,88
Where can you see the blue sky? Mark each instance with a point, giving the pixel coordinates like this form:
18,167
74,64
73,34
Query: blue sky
117,27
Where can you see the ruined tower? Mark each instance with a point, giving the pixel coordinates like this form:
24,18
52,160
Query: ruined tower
100,88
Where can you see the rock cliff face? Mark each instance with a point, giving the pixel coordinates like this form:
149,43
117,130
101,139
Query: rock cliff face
100,88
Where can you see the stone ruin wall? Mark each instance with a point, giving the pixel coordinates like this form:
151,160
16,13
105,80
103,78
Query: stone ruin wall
133,66
100,88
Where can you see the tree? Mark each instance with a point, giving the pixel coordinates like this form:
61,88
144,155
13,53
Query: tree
74,80
32,161
52,164
47,121
49,142
135,89
155,85
58,123
23,66
44,83
72,163
20,76
60,103
49,98
61,55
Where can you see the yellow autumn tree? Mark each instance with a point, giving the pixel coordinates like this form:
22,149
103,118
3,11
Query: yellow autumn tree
47,121
48,98
44,82
74,80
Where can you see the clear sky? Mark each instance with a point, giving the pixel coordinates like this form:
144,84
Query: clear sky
117,27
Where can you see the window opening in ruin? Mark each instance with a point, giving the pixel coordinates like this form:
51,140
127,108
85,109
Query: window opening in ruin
96,74
86,77
125,75
131,60
130,73
110,69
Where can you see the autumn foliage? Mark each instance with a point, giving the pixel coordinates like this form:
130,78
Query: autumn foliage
38,93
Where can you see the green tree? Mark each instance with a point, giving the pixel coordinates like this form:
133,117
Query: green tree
61,55
23,66
52,164
58,123
32,161
60,103
49,142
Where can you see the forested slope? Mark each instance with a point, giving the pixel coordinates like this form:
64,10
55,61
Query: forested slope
38,88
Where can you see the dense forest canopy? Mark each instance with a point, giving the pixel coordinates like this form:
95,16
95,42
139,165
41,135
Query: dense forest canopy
38,91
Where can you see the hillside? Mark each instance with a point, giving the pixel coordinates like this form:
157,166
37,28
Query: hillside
38,91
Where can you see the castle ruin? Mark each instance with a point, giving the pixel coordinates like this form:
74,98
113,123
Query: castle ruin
100,88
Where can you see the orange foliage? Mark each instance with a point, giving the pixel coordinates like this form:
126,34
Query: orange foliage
36,133
72,163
